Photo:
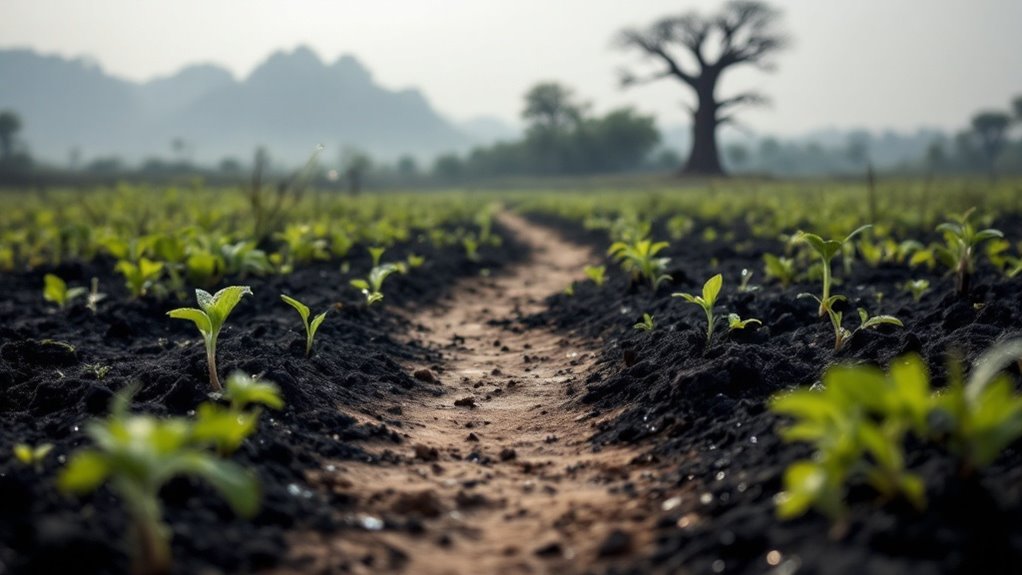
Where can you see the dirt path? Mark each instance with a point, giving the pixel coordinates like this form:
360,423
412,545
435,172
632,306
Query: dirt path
497,475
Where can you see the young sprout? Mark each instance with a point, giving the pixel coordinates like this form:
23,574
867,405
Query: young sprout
310,327
33,456
596,274
94,297
570,290
415,261
137,455
735,321
746,286
210,317
711,289
376,253
917,288
827,249
841,334
227,427
646,324
780,268
639,259
55,290
372,287
471,248
962,239
139,277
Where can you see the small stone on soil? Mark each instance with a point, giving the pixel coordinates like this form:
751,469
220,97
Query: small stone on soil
425,375
550,550
426,453
465,402
507,454
617,542
472,437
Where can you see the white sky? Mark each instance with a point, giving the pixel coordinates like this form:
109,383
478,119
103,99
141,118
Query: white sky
870,63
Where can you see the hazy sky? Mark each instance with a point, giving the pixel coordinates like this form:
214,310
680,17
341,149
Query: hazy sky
871,63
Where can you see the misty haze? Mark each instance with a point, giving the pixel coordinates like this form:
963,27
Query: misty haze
471,288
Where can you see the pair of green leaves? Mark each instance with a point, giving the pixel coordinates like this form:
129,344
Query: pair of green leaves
639,258
55,290
310,326
372,286
209,318
711,289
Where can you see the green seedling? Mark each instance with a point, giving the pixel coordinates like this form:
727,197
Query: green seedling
745,285
140,276
227,427
780,268
711,289
55,290
734,321
917,288
570,290
596,274
137,455
639,259
415,261
857,425
32,455
372,286
210,317
376,254
961,239
827,249
98,370
471,246
646,324
94,297
841,334
310,326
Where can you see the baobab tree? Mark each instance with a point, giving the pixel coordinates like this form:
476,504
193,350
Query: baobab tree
696,49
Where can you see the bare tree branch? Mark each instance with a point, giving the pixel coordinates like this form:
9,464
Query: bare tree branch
743,99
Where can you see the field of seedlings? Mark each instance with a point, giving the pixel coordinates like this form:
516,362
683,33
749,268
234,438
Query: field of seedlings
729,377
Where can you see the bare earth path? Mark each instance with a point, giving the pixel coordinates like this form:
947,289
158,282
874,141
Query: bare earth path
496,475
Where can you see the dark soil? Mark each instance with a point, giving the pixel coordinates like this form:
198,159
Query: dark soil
49,390
703,410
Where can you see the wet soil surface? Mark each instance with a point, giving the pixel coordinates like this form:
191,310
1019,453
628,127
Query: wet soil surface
59,369
496,474
702,411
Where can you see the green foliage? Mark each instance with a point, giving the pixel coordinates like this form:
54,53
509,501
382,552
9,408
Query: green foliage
859,422
227,427
639,259
711,289
415,261
735,321
596,274
32,455
826,250
310,326
961,239
780,268
372,286
137,455
55,290
646,324
140,276
917,288
209,317
841,334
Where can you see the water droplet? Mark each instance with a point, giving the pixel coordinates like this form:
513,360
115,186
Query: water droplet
190,413
753,440
293,490
61,459
74,429
706,498
330,467
773,558
742,487
370,523
720,476
718,566
671,503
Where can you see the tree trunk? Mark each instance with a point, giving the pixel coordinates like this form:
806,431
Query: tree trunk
704,159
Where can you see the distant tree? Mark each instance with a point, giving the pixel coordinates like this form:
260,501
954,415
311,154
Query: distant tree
991,130
618,141
407,167
355,164
10,125
936,157
737,155
743,32
551,106
230,166
448,167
